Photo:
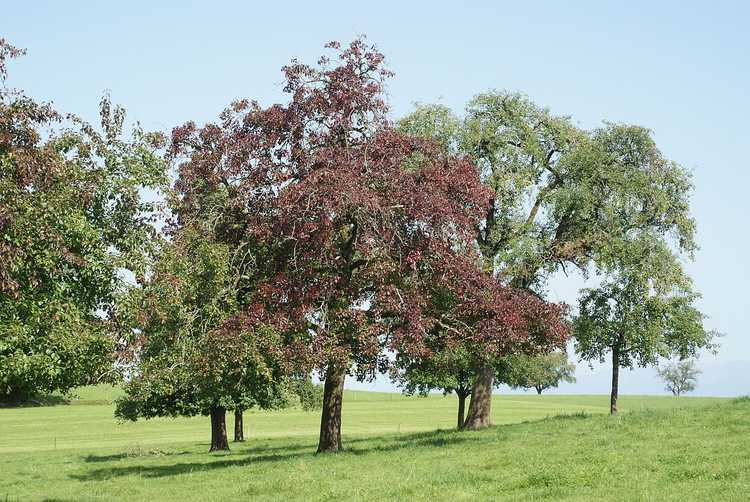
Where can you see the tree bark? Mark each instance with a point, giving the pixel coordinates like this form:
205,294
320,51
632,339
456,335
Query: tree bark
480,406
330,420
218,429
615,378
239,429
462,395
539,390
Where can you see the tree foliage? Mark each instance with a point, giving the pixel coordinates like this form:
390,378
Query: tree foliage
680,377
359,217
188,353
560,195
72,219
540,372
644,309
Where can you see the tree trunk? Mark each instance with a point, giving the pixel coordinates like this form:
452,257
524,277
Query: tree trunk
462,395
615,378
480,406
218,429
539,390
239,430
330,420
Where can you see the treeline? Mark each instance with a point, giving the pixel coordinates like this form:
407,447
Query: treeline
318,236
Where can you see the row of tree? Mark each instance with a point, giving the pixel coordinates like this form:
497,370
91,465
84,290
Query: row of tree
319,236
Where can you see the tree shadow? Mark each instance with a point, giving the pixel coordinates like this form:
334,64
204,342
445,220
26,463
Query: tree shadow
260,454
35,401
132,454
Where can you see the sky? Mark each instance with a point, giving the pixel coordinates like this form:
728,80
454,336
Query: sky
681,69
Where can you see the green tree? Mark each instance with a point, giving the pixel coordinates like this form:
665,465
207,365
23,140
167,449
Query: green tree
72,222
541,372
447,370
643,310
190,353
562,196
680,377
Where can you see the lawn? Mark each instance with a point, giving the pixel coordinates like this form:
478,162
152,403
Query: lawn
554,447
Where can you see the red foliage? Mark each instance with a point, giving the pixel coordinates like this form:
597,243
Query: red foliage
362,222
467,306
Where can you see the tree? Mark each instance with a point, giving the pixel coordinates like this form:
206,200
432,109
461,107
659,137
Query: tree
72,223
239,427
323,178
356,215
479,323
450,371
307,394
561,195
680,377
189,355
446,370
541,372
643,310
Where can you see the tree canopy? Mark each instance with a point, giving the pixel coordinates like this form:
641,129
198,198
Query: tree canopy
644,309
72,220
680,377
560,195
540,372
316,235
364,224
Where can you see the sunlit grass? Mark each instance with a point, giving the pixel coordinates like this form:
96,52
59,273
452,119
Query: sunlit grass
661,448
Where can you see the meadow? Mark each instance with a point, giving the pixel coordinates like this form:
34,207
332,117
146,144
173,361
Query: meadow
397,447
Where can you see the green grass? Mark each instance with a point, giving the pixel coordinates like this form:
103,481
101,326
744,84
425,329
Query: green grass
544,447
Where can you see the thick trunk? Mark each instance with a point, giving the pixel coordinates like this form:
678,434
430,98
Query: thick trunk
615,378
239,429
462,395
218,429
330,420
480,406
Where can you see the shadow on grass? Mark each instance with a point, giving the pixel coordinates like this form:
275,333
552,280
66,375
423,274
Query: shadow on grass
36,401
261,454
132,454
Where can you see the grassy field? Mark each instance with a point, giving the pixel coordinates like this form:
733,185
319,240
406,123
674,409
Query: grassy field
544,447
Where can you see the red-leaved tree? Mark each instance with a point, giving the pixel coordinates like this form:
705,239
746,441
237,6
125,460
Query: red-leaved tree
486,319
359,224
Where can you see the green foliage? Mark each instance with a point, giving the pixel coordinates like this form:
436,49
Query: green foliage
540,372
644,309
604,200
72,222
433,121
680,377
452,370
187,352
308,394
562,195
448,370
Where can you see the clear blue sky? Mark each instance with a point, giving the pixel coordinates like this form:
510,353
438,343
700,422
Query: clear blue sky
679,68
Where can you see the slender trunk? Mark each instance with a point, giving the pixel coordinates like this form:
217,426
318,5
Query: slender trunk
615,378
330,420
539,390
462,395
218,429
480,406
239,429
